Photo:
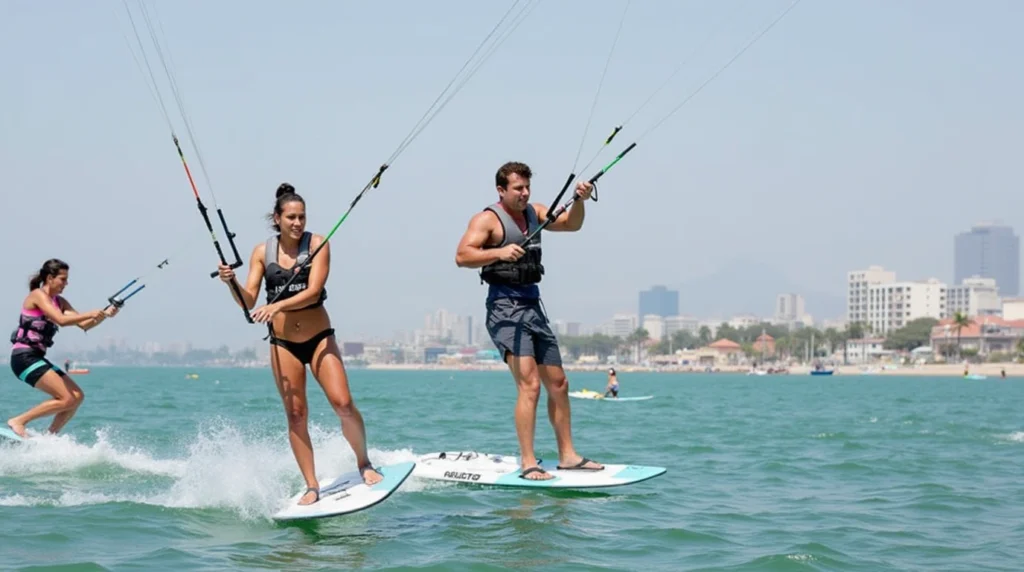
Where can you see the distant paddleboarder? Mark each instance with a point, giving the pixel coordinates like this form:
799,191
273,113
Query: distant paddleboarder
613,384
43,312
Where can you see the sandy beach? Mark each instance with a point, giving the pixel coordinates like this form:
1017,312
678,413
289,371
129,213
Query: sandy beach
934,370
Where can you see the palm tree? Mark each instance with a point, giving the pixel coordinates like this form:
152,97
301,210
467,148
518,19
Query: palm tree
834,337
628,343
705,335
640,337
960,321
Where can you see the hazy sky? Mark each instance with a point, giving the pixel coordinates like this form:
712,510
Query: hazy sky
853,133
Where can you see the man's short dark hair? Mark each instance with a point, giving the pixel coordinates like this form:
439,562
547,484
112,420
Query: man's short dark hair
511,168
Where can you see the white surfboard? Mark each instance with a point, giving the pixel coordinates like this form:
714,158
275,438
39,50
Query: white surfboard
499,470
587,394
6,433
347,494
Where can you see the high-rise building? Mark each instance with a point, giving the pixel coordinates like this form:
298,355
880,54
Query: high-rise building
892,305
989,251
789,307
857,293
659,301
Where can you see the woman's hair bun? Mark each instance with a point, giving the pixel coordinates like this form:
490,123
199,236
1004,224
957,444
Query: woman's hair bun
285,189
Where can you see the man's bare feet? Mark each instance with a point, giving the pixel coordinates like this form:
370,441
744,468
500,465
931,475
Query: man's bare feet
580,464
370,475
312,495
535,474
18,428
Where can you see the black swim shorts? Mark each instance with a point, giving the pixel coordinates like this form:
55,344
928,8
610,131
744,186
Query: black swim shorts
30,365
519,326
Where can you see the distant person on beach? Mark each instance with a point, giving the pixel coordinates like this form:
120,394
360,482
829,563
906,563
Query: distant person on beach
301,333
43,312
516,320
613,384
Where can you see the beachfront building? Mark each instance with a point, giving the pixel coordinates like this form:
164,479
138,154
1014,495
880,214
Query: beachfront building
727,352
975,296
764,345
864,350
985,335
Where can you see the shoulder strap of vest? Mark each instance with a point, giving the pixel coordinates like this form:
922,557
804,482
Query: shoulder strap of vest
270,256
504,220
307,237
532,221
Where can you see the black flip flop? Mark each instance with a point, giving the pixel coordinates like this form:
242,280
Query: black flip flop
579,466
523,474
372,468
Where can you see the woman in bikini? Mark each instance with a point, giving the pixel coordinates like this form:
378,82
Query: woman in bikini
43,312
301,333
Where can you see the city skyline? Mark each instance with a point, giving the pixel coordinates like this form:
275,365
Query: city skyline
734,200
974,295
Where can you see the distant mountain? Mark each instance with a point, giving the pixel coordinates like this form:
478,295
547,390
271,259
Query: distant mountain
750,287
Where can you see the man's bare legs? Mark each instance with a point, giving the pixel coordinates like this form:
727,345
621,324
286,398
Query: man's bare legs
528,377
560,415
524,372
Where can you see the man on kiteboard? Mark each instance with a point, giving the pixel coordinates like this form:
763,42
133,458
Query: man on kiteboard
515,320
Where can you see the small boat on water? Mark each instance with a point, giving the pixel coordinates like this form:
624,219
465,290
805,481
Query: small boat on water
820,369
74,370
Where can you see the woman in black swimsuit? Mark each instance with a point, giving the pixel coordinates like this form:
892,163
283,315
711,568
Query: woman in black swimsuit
301,333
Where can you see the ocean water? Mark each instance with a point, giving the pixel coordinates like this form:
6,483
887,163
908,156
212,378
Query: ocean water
764,473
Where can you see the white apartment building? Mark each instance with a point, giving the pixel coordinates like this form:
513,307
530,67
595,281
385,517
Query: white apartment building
857,293
622,325
558,327
976,296
712,326
890,306
1013,309
675,324
655,326
744,321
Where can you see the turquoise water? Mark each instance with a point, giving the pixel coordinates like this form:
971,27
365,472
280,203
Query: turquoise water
765,473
